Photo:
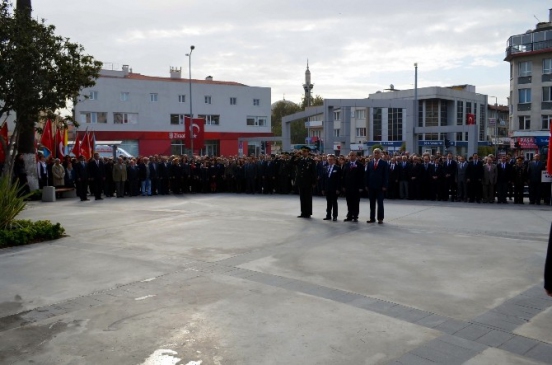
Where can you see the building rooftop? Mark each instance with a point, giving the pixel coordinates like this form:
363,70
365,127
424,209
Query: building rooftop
538,40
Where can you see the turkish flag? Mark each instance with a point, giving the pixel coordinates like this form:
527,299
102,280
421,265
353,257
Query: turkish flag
196,132
76,147
47,139
549,163
60,143
85,146
4,142
470,119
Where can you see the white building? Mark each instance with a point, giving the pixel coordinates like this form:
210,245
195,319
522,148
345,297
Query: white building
147,112
530,58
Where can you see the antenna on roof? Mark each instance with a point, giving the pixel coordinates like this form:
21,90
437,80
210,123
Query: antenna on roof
537,18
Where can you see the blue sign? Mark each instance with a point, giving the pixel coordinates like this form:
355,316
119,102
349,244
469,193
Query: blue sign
430,143
385,143
542,141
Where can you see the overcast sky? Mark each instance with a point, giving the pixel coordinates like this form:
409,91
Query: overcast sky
354,47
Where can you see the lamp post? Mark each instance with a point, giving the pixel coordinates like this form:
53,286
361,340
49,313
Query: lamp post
415,103
496,126
191,131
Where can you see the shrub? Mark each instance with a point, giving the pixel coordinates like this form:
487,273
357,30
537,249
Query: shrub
23,232
12,202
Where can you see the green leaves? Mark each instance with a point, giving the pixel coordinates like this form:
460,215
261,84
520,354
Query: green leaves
12,202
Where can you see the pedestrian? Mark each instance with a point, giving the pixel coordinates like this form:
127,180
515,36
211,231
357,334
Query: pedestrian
352,186
376,182
331,187
305,180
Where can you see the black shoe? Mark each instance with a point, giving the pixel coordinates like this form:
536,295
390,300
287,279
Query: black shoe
326,219
380,221
355,220
371,221
335,219
347,220
84,200
98,199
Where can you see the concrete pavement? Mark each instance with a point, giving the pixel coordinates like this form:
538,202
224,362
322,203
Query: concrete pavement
237,279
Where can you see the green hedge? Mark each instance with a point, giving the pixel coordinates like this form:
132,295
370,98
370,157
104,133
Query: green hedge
23,232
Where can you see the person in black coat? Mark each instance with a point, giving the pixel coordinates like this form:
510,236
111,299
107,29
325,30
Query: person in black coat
331,187
163,169
352,185
305,180
376,182
474,178
81,178
132,178
96,175
503,179
436,174
449,180
548,266
534,175
394,172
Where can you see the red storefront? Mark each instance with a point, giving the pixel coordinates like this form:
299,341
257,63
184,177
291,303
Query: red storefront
163,143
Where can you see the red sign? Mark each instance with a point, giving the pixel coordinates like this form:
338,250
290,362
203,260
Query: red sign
524,142
470,119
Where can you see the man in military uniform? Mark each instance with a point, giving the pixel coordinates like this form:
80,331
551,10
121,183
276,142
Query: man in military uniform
305,180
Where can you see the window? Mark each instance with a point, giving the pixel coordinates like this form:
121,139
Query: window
177,119
210,119
361,132
257,121
547,93
524,122
360,114
336,132
459,113
93,95
93,117
207,99
546,122
547,66
377,124
432,113
256,102
524,96
154,97
181,98
125,118
394,124
177,147
125,95
525,68
337,115
233,101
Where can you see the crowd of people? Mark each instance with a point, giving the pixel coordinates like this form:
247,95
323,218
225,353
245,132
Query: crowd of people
410,176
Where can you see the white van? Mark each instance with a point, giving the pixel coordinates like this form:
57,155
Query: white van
106,151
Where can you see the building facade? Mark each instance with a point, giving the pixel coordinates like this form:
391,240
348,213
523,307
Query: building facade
147,113
530,58
447,119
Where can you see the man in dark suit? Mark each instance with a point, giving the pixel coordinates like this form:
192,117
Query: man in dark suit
503,179
352,185
96,172
393,191
534,175
331,187
376,182
474,178
305,180
548,266
449,186
404,176
436,174
81,178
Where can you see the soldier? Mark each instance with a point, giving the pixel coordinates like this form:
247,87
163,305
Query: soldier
305,180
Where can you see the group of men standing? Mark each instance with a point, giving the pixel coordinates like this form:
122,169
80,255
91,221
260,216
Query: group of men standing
350,179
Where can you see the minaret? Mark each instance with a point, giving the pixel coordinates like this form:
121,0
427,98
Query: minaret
307,86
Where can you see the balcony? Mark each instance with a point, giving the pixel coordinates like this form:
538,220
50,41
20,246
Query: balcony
537,42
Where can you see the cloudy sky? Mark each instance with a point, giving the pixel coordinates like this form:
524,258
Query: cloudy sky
354,47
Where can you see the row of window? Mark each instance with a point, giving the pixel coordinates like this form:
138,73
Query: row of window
360,132
154,97
175,119
524,122
359,114
525,68
524,95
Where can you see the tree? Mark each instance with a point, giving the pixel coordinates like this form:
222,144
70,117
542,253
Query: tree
284,108
39,72
316,101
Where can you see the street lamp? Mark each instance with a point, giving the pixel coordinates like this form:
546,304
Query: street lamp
191,131
496,126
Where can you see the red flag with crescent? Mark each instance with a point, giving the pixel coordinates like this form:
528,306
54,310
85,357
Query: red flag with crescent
549,161
195,131
4,143
470,119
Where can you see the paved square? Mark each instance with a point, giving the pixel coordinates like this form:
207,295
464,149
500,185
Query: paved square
237,279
